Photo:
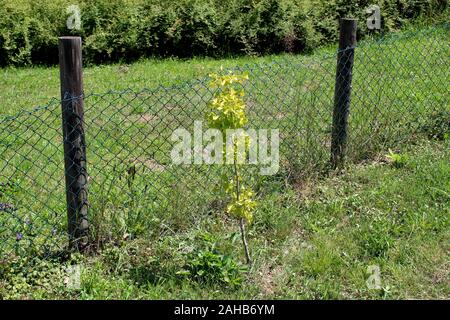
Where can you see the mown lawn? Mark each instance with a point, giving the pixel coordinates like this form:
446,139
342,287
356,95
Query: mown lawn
314,240
24,88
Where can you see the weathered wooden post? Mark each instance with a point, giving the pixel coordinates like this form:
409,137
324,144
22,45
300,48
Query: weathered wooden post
71,77
343,86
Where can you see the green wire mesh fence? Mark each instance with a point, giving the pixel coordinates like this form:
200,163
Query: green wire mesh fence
399,92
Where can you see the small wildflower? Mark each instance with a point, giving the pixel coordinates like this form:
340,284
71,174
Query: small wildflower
6,206
19,236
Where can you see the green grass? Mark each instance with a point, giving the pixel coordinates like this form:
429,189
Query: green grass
23,88
314,240
154,221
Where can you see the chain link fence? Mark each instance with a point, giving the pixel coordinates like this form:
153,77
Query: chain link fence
399,92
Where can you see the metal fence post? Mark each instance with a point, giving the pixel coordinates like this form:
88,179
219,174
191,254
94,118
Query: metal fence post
343,86
71,78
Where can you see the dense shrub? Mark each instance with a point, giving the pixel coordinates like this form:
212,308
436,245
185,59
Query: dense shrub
128,29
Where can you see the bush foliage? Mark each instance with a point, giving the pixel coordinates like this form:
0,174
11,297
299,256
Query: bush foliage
129,29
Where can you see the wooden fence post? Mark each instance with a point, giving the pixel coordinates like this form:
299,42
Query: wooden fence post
343,86
71,78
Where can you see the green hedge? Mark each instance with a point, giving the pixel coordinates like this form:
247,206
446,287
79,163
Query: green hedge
129,29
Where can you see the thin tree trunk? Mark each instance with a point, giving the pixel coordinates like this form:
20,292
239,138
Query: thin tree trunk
241,221
244,241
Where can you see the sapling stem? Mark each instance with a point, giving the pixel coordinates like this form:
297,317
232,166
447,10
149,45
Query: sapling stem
244,241
241,221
